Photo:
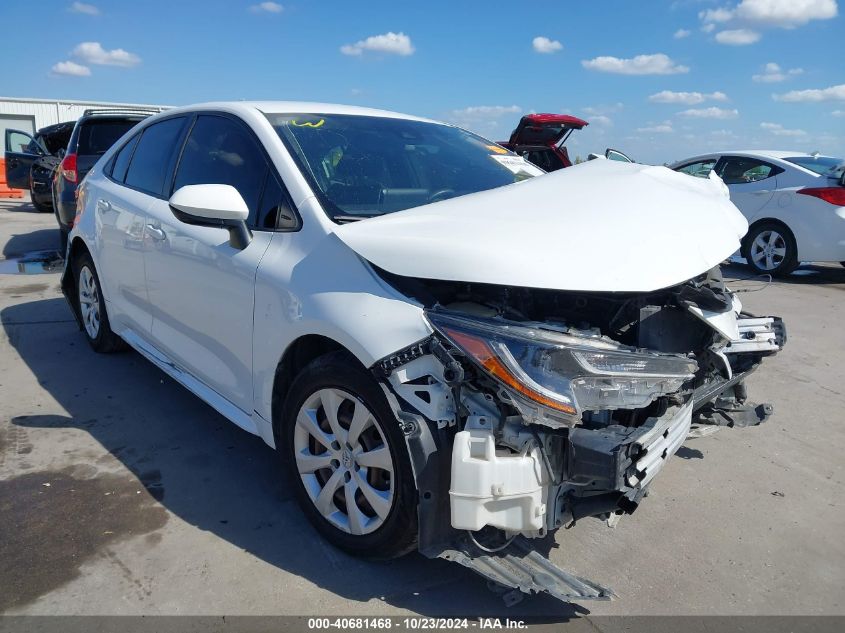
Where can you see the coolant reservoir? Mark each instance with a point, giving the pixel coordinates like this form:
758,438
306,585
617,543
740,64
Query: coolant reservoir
506,491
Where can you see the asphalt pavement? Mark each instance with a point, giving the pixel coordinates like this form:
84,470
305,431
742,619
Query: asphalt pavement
122,493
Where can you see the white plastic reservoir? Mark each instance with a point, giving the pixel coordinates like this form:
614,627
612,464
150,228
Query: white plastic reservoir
504,490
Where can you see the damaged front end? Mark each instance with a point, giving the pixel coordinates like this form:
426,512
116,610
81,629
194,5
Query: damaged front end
528,410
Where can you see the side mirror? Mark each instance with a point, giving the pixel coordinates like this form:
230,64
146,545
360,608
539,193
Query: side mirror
214,205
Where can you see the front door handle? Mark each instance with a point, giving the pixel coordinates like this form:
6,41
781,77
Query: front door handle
155,232
104,206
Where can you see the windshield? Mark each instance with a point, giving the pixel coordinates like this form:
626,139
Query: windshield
363,166
822,165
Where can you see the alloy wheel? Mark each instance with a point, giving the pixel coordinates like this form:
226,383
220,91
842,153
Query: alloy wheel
768,250
89,302
344,461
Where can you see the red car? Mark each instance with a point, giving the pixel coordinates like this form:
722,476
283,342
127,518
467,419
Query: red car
540,139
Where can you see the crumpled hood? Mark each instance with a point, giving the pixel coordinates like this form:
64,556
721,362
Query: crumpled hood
600,226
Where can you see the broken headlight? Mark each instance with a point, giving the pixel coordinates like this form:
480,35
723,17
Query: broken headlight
563,371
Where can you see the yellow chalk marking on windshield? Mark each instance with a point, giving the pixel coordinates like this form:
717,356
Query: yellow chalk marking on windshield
308,123
497,149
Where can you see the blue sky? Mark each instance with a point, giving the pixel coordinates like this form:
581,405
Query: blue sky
660,80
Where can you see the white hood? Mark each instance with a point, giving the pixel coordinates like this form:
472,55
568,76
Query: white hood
599,226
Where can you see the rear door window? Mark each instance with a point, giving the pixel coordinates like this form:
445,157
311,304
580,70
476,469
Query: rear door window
150,164
220,150
121,160
96,136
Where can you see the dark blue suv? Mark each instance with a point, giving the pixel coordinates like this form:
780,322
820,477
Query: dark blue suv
94,133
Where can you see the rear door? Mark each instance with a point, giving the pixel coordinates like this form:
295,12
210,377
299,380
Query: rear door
202,287
137,176
21,151
751,181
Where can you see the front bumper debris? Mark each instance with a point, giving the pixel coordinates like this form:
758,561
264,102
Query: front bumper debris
524,570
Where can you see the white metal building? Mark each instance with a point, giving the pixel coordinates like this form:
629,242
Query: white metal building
29,115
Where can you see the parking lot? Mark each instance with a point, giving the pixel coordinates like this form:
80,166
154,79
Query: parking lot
122,493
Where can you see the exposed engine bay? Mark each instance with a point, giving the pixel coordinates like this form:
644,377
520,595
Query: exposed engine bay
528,410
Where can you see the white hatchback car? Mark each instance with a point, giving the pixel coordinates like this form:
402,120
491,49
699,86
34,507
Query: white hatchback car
794,203
451,353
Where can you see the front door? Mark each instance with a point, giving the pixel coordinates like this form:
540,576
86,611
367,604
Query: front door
752,182
202,288
21,151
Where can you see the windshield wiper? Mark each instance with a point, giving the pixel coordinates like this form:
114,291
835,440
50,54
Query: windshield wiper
350,218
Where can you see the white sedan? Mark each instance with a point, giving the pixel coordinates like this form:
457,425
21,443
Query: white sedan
449,353
794,204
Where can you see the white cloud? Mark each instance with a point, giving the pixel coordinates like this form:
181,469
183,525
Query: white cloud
785,14
778,130
660,128
81,7
70,69
838,113
267,7
708,28
487,111
709,113
657,64
834,93
681,34
772,73
545,45
687,98
94,53
391,43
484,119
716,15
738,37
601,109
601,119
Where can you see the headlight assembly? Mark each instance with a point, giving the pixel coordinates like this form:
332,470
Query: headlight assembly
563,372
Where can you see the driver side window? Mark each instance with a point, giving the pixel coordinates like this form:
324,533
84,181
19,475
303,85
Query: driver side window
22,143
739,170
221,151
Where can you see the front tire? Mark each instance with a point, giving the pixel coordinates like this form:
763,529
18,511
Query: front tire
770,248
92,308
41,207
348,459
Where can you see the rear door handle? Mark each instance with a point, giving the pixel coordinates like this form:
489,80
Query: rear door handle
155,232
103,206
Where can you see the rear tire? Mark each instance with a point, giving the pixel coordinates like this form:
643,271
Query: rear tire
769,248
342,445
92,308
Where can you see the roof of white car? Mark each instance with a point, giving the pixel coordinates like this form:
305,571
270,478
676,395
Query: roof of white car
771,153
759,153
299,107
